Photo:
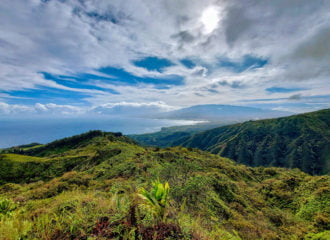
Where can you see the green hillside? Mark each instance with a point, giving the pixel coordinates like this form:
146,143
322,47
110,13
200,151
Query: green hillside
300,141
100,186
168,135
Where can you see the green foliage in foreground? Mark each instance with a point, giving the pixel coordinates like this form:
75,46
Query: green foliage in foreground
96,187
300,141
156,199
6,207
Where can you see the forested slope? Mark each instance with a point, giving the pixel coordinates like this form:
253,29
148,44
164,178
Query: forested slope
300,141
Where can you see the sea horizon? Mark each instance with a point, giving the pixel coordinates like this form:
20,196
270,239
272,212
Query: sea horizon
19,131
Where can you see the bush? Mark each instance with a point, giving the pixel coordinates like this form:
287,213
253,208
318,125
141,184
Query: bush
7,207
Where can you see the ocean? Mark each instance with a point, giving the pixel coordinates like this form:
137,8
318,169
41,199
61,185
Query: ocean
20,131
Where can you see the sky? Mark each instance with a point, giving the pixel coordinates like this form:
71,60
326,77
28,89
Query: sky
76,57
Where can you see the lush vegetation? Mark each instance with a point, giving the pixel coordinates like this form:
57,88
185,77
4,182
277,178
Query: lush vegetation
167,136
300,141
103,186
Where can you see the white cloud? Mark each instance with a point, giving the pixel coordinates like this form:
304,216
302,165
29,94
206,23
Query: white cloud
136,109
14,109
69,37
150,109
40,109
52,108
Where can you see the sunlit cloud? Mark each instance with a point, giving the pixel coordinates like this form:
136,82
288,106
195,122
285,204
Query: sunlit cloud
210,19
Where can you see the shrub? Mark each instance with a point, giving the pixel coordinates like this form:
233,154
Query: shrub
7,207
157,199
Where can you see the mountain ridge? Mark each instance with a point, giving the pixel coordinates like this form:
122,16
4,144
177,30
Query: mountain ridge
220,112
287,138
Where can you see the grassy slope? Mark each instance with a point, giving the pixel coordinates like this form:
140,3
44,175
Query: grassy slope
61,156
211,197
300,141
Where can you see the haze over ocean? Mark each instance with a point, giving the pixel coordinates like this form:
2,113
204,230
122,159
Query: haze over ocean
18,131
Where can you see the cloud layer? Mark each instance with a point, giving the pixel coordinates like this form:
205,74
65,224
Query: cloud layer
180,53
150,109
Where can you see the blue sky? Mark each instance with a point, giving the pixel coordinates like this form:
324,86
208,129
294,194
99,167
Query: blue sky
68,57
